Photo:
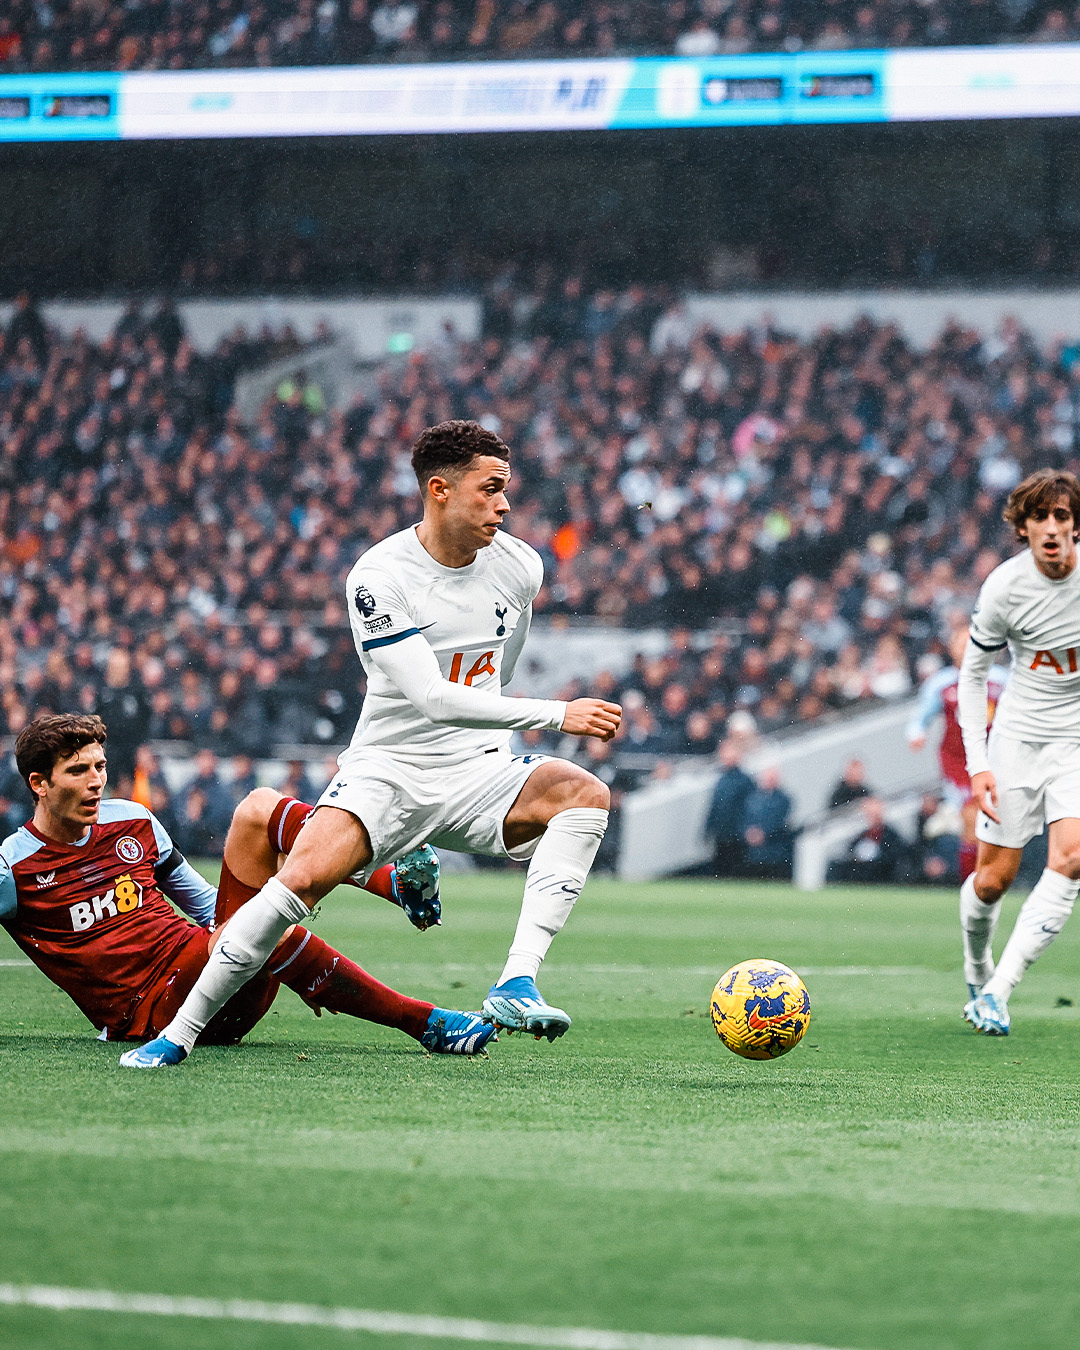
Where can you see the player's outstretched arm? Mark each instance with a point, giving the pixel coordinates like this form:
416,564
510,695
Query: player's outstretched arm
414,668
592,717
929,706
186,888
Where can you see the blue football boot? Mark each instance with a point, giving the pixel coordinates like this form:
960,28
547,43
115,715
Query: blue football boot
457,1033
989,1014
416,887
156,1054
518,1005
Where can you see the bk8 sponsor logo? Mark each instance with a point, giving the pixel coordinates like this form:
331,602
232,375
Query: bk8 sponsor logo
121,898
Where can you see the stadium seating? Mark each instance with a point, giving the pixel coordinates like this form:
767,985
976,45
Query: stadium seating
156,546
177,34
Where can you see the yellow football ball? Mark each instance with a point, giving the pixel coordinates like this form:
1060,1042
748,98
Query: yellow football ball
760,1009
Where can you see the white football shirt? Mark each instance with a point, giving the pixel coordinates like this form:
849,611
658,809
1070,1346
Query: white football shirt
474,619
1038,619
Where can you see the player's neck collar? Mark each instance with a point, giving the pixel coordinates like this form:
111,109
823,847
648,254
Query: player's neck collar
462,571
58,843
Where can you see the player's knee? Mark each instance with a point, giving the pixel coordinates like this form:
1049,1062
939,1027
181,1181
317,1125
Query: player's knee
1067,862
255,809
590,791
308,878
990,886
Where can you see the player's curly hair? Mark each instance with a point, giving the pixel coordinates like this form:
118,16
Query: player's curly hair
453,445
45,741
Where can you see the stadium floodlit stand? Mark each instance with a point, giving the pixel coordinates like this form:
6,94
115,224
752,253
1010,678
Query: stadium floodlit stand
806,516
177,34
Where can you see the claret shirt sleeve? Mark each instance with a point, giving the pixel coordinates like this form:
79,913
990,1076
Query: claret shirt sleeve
929,705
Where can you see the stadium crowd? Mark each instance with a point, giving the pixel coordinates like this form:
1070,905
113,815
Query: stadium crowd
178,34
806,517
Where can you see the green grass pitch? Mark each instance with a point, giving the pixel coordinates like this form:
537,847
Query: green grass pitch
896,1182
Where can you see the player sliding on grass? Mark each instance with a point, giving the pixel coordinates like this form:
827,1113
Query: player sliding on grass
82,889
439,613
1029,772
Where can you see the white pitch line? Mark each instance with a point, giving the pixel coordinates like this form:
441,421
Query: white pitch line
457,968
16,963
362,1319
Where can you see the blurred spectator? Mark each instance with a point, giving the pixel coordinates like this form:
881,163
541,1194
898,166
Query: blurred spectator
163,806
297,783
938,841
698,40
769,839
244,779
148,777
205,809
122,706
851,786
879,856
16,804
724,825
26,325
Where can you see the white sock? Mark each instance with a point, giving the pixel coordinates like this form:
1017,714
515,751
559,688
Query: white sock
1042,917
556,875
977,924
253,932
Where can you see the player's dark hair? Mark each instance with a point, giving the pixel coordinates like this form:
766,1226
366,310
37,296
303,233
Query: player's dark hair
1040,492
45,741
452,446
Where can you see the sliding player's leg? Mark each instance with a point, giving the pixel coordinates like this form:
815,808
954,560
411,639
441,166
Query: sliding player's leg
325,853
558,821
332,846
265,826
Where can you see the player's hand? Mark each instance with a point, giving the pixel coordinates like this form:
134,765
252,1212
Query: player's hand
984,794
592,717
916,743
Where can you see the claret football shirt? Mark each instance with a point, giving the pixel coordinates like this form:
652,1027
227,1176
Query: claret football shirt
92,915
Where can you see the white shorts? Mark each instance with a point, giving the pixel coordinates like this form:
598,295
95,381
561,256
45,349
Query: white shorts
460,806
1037,782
